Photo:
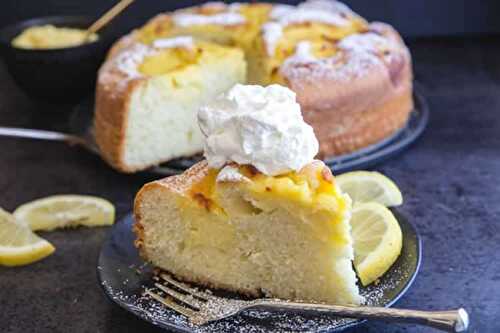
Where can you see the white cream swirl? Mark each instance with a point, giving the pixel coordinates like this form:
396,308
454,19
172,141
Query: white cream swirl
260,126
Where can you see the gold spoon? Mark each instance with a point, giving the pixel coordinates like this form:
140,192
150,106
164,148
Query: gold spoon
107,17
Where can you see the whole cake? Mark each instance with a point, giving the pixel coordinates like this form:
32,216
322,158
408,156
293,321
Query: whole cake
260,216
352,78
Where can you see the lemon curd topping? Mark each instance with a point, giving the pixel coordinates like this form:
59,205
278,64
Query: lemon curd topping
176,59
316,189
295,191
322,37
241,34
203,192
51,37
169,60
267,41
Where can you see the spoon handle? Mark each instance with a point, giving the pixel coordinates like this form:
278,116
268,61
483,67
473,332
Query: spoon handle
108,16
28,133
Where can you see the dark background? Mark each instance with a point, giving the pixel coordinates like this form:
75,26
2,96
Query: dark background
412,18
450,178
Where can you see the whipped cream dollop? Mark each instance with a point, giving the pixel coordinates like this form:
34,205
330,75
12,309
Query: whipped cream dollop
260,126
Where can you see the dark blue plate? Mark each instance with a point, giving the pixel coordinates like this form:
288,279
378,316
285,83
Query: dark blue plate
123,275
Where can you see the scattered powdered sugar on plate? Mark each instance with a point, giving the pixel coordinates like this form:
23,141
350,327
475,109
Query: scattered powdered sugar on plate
119,262
255,320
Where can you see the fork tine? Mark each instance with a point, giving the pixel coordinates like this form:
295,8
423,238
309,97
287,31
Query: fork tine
172,305
185,287
187,299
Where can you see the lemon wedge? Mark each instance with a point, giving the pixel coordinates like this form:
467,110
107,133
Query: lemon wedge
377,240
366,186
63,211
18,244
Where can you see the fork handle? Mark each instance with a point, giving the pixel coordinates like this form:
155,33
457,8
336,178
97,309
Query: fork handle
450,321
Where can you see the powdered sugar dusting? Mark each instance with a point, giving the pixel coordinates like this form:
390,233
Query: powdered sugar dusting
330,6
358,54
271,33
302,15
302,55
255,320
321,11
342,67
228,18
230,173
124,277
128,60
279,11
367,42
181,41
233,7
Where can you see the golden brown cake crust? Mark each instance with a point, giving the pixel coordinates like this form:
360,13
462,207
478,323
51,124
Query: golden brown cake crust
362,102
179,184
109,123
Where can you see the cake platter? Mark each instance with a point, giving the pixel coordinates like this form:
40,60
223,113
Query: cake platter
82,119
123,276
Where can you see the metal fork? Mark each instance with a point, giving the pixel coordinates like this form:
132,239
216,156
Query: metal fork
202,307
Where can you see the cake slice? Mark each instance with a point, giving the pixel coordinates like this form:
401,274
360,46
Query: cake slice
286,236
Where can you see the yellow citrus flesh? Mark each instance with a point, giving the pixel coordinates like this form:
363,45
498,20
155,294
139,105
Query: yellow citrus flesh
18,244
377,240
366,186
62,211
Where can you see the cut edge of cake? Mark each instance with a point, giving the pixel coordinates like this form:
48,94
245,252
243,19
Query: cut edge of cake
134,113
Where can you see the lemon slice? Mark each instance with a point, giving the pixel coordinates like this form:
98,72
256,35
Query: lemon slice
377,240
18,244
63,211
366,186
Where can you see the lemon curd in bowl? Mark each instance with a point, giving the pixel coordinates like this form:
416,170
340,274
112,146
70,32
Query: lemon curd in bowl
46,72
51,37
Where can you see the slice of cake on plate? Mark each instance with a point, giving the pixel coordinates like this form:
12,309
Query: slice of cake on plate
260,216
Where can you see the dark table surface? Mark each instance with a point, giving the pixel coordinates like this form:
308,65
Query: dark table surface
450,180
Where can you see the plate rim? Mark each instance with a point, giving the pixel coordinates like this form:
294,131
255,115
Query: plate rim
123,305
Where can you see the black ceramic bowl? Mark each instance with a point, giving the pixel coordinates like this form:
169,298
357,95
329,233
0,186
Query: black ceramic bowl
57,76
